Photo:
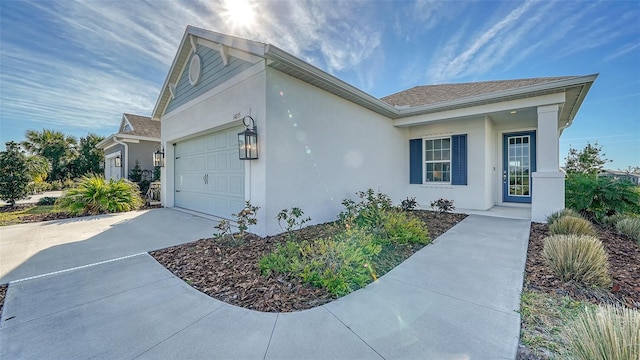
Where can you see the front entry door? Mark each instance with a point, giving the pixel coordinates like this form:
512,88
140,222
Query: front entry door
519,153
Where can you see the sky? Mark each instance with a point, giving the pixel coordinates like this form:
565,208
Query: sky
76,66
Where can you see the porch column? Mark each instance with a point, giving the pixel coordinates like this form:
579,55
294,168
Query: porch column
548,180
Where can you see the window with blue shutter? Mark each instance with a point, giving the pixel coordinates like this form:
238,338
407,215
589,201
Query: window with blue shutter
459,160
415,161
444,160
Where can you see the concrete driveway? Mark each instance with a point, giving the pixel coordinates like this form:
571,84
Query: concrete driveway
455,299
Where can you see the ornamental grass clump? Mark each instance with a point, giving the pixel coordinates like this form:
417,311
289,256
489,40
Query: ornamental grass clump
94,195
577,257
562,213
569,225
608,332
630,226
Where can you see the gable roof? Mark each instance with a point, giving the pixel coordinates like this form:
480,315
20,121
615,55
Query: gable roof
431,94
143,126
465,95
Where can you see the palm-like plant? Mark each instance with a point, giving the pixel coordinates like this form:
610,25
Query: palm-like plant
53,145
94,195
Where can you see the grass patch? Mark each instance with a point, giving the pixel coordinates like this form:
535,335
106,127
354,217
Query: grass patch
579,258
544,322
15,217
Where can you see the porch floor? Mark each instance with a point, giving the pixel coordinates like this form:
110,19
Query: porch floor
509,212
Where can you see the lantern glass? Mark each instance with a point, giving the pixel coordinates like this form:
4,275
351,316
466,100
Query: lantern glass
118,161
158,158
248,144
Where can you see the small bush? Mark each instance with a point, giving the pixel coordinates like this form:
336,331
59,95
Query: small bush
399,228
56,185
38,187
94,195
630,226
68,184
293,219
340,265
601,196
442,206
408,204
611,220
609,332
47,200
562,213
579,258
570,225
368,211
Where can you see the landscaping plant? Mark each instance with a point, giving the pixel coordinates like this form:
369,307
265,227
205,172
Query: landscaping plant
630,226
244,218
608,332
14,178
94,195
293,219
562,213
47,200
442,206
368,211
579,258
569,225
408,204
599,196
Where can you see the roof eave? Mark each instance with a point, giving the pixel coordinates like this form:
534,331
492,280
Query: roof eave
503,95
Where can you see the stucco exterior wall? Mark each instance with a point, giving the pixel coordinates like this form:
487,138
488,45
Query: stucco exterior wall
479,142
143,152
215,111
321,149
114,150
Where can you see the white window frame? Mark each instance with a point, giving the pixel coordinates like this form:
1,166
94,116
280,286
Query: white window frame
425,161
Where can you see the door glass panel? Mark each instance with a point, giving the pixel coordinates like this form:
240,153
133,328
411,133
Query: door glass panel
519,153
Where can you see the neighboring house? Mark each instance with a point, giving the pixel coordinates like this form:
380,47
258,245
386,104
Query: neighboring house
621,175
138,137
320,139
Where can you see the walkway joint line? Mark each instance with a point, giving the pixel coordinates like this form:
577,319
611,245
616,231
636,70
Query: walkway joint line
354,333
76,268
271,336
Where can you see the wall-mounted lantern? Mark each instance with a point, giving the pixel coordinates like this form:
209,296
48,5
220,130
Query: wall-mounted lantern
118,161
248,140
158,158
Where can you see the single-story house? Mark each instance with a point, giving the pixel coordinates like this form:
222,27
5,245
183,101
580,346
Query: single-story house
138,137
621,175
319,139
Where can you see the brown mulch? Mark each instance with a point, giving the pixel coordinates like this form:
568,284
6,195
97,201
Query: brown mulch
230,273
624,268
3,292
31,218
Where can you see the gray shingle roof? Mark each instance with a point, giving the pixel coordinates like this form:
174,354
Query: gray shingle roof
432,94
142,126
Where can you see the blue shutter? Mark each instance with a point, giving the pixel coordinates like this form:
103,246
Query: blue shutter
415,161
459,160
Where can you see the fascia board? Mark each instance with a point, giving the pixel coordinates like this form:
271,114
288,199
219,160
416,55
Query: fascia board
164,89
102,144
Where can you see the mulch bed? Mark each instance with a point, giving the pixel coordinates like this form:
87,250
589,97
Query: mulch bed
31,218
624,268
230,273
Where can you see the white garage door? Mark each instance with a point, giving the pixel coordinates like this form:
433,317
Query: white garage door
209,177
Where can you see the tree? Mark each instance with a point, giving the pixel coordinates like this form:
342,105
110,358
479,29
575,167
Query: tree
89,158
55,146
589,160
13,174
38,168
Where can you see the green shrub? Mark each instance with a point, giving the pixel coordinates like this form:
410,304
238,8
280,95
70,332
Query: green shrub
368,211
94,195
47,200
400,228
630,226
38,187
442,206
408,204
609,332
601,196
611,220
562,213
293,219
68,184
580,258
340,265
56,185
569,225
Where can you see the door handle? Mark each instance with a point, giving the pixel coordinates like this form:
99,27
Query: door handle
504,176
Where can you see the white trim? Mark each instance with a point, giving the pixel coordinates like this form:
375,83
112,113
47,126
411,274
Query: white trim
124,117
250,72
195,69
172,91
550,99
223,54
229,51
500,162
424,161
113,154
194,44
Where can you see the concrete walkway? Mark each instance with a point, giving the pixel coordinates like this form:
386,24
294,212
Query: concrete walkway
455,299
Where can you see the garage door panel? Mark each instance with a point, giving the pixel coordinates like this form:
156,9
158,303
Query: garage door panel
209,177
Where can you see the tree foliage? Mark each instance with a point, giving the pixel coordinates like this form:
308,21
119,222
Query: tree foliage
589,160
13,174
38,168
88,156
58,148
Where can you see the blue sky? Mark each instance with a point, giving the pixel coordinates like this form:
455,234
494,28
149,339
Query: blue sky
76,66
